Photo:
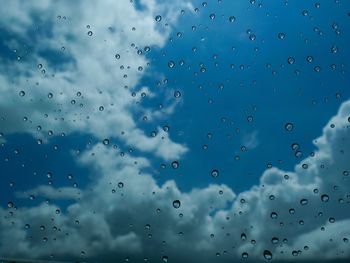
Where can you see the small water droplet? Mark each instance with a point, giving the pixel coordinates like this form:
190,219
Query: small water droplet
175,164
232,19
158,18
177,94
214,173
291,60
289,126
281,35
304,201
171,64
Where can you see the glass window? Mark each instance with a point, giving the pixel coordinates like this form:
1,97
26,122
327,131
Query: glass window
174,131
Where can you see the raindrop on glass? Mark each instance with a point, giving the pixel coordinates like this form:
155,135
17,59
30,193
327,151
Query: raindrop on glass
267,255
176,204
214,173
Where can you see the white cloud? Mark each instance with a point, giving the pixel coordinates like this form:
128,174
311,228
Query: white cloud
124,212
134,220
76,63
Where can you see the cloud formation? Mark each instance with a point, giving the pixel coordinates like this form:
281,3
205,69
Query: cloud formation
75,67
124,213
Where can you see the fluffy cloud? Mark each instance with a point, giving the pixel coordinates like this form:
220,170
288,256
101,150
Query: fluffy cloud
123,213
74,67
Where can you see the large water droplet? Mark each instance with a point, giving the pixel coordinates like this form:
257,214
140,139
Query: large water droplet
324,198
267,255
176,204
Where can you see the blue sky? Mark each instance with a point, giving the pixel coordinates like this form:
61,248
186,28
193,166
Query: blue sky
78,110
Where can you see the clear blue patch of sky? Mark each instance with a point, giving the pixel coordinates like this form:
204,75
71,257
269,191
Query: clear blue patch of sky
252,78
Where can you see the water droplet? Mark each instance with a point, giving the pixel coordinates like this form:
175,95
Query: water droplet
295,146
304,201
89,33
158,18
175,164
120,185
232,19
281,35
22,93
177,94
274,240
165,259
309,59
334,49
10,204
105,141
305,12
252,37
267,255
317,69
289,126
274,215
171,64
244,255
214,173
176,204
324,198
291,60
298,154
212,16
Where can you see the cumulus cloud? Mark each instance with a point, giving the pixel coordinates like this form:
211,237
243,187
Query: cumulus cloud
75,67
124,214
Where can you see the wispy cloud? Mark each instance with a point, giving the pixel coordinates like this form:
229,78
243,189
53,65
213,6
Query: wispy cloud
250,140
